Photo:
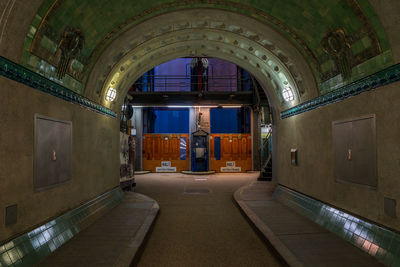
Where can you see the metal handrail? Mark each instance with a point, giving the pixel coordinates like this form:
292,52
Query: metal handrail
187,81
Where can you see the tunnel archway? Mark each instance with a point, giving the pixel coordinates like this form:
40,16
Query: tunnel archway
272,59
240,39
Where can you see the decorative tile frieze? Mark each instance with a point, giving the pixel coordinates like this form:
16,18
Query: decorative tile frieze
384,77
18,73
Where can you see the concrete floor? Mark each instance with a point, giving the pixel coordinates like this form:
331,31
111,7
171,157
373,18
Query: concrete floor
199,224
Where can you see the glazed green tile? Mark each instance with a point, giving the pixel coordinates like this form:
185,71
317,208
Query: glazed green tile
65,236
381,254
35,243
31,32
51,245
394,245
364,232
386,241
25,247
5,259
30,259
14,255
42,239
9,245
46,235
45,6
21,239
36,21
389,259
378,238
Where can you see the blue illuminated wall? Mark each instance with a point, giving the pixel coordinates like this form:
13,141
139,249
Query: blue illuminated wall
230,120
165,120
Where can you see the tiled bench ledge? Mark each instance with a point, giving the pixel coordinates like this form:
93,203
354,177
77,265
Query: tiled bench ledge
30,248
379,242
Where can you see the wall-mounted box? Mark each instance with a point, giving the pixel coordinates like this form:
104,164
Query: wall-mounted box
293,156
354,146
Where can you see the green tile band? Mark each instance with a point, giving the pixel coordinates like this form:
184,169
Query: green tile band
18,73
375,240
32,247
384,77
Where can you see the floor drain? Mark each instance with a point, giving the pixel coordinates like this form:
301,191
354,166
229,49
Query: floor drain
194,191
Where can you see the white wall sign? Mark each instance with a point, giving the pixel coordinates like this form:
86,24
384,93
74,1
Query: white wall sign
230,167
165,167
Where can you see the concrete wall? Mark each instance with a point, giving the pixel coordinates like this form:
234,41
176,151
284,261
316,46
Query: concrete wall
311,134
14,25
95,161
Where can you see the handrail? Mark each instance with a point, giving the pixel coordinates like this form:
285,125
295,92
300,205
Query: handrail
183,81
266,162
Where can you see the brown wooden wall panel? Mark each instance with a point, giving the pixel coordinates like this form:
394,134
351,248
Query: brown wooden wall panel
164,147
239,151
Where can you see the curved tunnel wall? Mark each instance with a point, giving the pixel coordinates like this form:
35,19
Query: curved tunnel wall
95,165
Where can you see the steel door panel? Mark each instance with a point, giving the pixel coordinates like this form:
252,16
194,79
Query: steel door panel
355,150
342,135
53,152
364,152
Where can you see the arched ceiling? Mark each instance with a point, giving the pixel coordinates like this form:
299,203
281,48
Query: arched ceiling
294,32
227,35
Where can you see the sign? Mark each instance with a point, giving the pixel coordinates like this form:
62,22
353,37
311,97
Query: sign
165,163
165,167
230,167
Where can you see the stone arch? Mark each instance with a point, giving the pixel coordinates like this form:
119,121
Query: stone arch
202,32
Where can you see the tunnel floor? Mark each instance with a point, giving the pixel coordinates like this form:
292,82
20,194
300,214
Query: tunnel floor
199,224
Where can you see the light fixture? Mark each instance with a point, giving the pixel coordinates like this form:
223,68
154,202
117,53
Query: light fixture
174,106
232,106
188,106
111,94
287,94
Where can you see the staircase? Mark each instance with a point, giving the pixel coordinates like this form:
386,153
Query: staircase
260,96
266,170
261,100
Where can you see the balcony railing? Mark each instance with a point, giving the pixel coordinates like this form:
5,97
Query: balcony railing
176,83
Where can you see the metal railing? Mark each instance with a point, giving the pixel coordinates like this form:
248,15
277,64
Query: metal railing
160,83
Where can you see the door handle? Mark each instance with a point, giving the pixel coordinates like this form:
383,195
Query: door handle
349,154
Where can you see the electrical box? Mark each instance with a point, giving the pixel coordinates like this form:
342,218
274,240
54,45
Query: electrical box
293,156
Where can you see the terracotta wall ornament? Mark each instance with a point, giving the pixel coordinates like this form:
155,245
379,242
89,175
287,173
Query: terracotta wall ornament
69,47
336,45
